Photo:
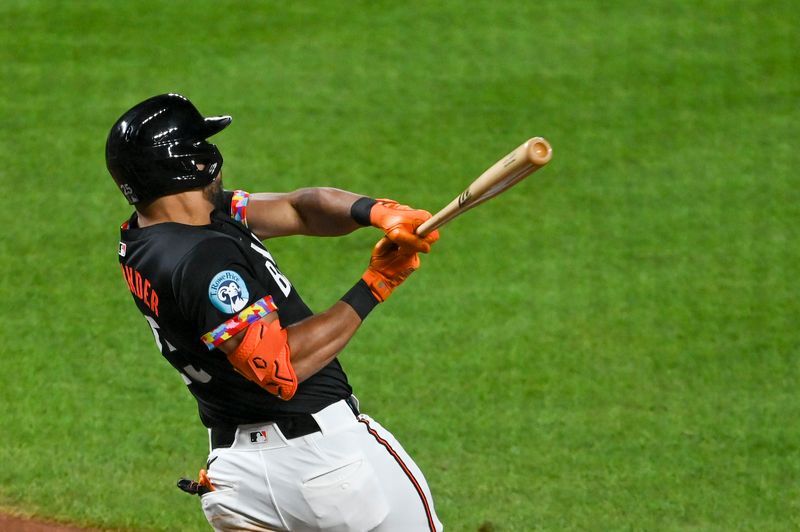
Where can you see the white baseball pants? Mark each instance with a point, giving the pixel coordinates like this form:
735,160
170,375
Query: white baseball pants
352,475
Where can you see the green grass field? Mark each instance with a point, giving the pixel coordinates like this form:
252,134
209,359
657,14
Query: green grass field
613,345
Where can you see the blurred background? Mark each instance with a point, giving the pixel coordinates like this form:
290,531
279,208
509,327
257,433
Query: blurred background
611,345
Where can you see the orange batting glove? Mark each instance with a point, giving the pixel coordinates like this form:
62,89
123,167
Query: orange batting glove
399,222
389,266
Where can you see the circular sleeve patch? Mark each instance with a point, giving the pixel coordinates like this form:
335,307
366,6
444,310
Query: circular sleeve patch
227,292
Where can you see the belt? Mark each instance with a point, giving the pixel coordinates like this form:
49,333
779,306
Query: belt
291,426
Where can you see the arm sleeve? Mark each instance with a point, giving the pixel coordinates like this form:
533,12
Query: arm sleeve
218,292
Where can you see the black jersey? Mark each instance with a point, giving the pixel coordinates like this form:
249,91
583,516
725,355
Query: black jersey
198,285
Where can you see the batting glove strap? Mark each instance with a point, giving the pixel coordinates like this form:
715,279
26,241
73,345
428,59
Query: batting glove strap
361,209
362,300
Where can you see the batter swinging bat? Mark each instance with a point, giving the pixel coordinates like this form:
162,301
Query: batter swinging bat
505,173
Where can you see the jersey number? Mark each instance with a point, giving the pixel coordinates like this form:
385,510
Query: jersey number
197,375
280,279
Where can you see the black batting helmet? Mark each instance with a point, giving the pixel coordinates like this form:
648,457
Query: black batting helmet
154,148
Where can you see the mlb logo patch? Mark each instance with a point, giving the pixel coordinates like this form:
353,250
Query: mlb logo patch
258,437
122,249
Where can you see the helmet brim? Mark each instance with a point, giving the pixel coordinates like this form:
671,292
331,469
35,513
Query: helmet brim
214,124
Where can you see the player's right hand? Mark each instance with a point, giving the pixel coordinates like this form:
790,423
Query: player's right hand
389,266
399,223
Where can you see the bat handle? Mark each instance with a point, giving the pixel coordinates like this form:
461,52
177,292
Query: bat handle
427,227
435,222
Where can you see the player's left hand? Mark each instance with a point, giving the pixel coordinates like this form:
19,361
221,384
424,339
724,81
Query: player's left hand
389,266
399,222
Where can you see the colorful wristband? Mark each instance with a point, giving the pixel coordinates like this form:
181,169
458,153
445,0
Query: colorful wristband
239,206
360,210
361,299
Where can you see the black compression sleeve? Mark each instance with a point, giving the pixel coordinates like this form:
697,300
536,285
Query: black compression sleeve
361,299
359,211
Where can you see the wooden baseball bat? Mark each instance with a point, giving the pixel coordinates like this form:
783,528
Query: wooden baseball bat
502,175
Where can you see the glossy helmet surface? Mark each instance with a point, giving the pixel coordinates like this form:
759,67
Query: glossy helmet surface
155,147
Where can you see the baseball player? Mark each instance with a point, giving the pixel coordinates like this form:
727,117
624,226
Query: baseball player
289,448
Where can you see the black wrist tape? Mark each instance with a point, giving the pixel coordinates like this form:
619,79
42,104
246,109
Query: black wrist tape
359,211
361,299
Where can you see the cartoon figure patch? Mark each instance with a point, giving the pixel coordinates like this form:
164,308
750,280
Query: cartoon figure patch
227,292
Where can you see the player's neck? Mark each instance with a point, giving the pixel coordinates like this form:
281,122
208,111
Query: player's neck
189,208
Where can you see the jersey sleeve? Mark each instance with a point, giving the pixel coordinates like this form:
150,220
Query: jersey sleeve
237,201
218,292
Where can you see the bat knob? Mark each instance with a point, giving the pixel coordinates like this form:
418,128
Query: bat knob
539,151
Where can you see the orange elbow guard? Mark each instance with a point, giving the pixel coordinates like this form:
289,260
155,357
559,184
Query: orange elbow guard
263,357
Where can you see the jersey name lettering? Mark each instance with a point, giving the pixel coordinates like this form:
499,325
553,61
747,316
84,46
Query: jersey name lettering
141,288
280,279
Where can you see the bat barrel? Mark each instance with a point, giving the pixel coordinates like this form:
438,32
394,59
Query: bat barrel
539,151
505,173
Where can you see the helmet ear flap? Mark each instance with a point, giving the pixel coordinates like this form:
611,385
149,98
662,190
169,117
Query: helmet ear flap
215,167
212,170
209,157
